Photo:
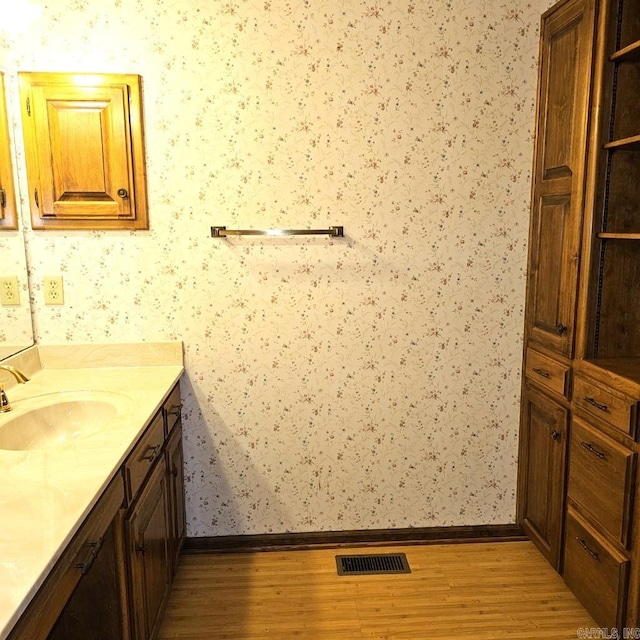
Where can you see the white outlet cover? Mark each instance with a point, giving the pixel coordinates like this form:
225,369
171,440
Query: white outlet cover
9,291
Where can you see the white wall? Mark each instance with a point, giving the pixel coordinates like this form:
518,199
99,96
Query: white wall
370,382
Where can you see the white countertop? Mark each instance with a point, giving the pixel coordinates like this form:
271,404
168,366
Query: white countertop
45,495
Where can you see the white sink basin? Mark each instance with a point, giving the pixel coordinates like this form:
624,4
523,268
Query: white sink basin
57,419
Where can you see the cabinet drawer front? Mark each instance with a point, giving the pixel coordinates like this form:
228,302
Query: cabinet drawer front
146,452
601,475
547,372
605,403
172,408
596,572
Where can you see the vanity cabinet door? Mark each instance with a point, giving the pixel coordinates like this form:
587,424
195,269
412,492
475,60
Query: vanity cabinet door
147,536
175,485
84,150
541,472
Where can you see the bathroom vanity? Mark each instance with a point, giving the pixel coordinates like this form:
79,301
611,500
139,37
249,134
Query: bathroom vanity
93,523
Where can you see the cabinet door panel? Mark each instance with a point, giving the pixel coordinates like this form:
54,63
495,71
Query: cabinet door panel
8,215
541,468
553,282
84,150
175,461
147,541
81,132
565,77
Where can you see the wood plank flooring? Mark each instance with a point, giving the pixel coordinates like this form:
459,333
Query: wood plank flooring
491,591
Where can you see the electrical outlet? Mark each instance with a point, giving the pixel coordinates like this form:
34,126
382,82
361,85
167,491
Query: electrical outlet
9,291
53,290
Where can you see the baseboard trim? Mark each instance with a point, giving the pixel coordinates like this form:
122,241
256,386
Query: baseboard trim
354,538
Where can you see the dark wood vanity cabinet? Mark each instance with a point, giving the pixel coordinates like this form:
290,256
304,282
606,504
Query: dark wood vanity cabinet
113,580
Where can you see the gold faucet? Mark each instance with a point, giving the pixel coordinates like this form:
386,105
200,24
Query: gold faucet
5,405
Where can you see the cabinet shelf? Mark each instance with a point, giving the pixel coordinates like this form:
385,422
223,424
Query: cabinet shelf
606,235
630,53
628,368
632,142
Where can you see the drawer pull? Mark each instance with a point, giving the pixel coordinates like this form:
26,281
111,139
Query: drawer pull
85,566
175,411
585,546
152,452
592,449
541,372
596,404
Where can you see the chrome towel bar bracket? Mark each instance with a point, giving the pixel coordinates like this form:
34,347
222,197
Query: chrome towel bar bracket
223,232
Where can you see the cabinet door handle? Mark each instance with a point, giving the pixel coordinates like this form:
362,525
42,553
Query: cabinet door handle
585,546
85,566
596,404
542,372
555,435
152,452
3,198
561,329
123,193
174,472
141,548
592,449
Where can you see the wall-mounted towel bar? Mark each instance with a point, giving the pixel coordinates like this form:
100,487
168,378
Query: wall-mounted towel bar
223,232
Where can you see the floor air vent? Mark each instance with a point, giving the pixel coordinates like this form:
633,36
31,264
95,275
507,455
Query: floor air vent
372,564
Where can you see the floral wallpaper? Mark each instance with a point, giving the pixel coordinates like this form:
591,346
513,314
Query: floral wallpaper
331,384
15,320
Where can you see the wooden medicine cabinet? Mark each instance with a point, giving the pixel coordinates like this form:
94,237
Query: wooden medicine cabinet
84,150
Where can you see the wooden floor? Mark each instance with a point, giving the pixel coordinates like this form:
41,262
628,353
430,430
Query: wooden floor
478,591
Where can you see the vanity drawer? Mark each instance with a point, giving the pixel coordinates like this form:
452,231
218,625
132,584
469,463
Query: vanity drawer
141,459
601,475
75,562
615,408
547,372
171,408
596,572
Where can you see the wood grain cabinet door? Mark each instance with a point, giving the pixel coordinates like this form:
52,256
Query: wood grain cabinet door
147,541
8,214
559,171
83,142
175,480
542,469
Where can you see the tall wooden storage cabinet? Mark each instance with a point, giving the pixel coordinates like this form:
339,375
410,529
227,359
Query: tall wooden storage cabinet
591,531
556,221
